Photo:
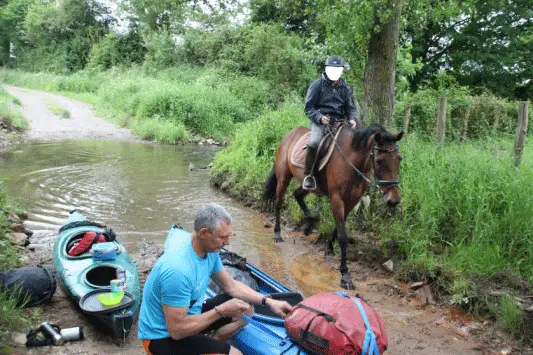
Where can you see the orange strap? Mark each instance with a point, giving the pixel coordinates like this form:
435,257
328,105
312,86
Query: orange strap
146,344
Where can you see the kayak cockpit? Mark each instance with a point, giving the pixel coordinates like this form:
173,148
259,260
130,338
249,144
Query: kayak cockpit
100,276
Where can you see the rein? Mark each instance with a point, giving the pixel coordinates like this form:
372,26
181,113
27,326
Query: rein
377,182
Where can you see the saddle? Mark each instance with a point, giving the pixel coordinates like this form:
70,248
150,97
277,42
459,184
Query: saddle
327,144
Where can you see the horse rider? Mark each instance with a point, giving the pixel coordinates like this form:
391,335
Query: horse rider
329,99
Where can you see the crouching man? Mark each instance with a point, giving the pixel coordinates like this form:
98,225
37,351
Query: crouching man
173,319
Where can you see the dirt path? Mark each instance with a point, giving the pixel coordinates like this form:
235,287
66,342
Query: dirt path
82,124
412,328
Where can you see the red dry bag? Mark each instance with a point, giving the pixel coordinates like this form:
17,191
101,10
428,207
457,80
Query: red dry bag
335,324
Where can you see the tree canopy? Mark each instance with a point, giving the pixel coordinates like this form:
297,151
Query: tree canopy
483,45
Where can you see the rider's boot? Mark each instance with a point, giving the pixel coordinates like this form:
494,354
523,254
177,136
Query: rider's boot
309,182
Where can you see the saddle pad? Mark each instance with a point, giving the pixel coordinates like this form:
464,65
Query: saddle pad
300,150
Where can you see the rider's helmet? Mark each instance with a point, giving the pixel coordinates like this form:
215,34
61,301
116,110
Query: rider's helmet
334,61
334,67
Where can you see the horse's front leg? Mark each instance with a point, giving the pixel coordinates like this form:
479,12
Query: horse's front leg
346,280
281,188
277,227
300,195
329,243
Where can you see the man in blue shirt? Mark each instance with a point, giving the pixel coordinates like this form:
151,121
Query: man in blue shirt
173,318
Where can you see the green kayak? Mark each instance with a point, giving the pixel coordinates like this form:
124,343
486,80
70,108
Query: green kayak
84,279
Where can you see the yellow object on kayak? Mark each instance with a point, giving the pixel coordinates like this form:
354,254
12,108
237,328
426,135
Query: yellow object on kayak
110,298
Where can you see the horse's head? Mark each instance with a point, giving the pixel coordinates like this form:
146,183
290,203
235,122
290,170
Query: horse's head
386,158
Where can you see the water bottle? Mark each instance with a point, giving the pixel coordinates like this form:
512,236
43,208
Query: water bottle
52,333
72,334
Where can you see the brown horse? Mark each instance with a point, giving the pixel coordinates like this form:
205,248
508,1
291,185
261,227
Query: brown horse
358,156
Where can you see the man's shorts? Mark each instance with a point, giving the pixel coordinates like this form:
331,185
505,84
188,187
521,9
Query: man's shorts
198,344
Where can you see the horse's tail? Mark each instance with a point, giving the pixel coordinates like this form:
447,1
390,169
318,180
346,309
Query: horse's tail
269,191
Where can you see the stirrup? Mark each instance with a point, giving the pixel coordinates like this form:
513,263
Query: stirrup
309,180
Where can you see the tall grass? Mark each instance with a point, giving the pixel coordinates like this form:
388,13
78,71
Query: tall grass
466,211
10,111
242,167
58,110
10,313
466,206
206,102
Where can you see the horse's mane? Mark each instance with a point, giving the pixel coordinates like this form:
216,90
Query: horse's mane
360,137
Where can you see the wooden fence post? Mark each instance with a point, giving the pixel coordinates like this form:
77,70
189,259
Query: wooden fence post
467,121
406,119
521,132
441,120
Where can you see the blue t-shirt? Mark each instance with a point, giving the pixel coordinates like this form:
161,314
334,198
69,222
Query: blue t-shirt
179,279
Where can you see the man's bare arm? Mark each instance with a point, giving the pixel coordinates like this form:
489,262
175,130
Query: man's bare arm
180,325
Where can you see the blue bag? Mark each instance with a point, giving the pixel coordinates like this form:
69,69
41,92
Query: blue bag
104,251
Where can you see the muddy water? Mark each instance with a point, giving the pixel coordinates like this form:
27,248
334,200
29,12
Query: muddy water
139,190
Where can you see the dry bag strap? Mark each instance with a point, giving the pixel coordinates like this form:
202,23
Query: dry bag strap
305,333
370,346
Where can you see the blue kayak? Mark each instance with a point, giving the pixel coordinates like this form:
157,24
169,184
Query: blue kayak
265,333
82,277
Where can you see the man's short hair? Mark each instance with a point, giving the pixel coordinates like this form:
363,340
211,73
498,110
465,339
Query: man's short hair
209,216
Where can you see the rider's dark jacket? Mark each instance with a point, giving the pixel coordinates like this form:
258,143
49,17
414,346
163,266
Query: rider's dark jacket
326,97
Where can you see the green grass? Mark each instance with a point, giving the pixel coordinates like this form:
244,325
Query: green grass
16,101
508,315
206,102
58,110
10,111
11,317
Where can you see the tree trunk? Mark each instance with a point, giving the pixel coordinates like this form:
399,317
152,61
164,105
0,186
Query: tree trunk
4,51
380,69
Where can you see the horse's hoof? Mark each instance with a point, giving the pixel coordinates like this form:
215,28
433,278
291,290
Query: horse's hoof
329,252
346,283
307,229
278,240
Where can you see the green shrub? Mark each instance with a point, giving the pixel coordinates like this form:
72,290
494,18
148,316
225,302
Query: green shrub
508,315
116,50
58,110
244,164
10,113
160,50
160,130
266,52
489,115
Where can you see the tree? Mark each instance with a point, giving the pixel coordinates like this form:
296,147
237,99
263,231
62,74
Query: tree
170,15
484,44
59,38
12,14
380,71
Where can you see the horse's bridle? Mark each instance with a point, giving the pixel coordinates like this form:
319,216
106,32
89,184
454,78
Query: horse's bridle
377,182
391,183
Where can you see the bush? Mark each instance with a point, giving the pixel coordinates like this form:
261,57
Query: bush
10,112
160,50
489,115
244,164
265,52
116,50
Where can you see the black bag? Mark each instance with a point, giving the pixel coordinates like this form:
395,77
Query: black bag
30,286
233,259
236,267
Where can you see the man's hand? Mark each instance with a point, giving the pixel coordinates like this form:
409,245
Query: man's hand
325,120
353,123
234,308
281,308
